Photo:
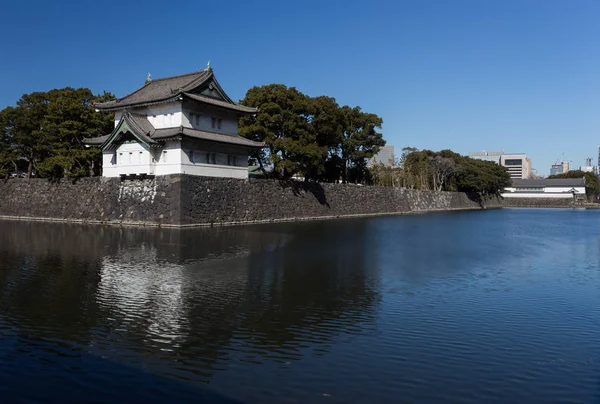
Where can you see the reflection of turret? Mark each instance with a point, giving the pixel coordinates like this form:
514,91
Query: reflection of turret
192,300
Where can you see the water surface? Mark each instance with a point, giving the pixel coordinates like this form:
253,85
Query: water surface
487,306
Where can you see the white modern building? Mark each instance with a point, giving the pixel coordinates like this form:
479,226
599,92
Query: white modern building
176,125
518,165
566,188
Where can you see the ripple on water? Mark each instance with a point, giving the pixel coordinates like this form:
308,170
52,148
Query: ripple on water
377,310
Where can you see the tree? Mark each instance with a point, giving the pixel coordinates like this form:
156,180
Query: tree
360,142
313,137
442,168
47,130
446,171
282,123
70,119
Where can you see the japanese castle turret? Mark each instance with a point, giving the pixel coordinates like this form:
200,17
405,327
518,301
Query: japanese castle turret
176,125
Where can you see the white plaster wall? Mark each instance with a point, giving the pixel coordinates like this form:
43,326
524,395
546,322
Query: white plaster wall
128,158
549,190
168,159
163,115
566,195
229,121
215,170
221,168
135,158
118,115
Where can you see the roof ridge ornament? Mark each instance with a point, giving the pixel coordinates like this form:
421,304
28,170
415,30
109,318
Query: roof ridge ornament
208,68
148,79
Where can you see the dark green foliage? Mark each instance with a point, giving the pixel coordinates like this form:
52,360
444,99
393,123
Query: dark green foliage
592,186
312,137
443,171
46,130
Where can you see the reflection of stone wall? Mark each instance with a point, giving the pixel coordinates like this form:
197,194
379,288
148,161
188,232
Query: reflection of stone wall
189,200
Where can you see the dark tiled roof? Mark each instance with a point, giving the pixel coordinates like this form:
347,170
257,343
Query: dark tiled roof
170,88
219,103
141,123
158,90
203,135
550,182
96,141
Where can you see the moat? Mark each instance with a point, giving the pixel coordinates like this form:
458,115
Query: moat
470,307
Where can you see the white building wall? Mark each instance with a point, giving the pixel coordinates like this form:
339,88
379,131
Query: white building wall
118,115
160,116
128,158
198,162
540,195
549,192
168,159
229,121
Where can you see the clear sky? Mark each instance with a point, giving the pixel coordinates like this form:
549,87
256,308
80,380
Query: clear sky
467,75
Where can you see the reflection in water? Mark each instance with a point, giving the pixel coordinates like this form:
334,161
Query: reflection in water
467,307
186,302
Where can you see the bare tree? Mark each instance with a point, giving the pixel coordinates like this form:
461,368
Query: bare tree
441,170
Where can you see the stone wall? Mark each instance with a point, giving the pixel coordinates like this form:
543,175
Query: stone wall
540,202
189,200
93,199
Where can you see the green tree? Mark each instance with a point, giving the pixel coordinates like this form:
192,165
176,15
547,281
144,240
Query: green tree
360,142
282,123
448,171
69,120
313,137
47,130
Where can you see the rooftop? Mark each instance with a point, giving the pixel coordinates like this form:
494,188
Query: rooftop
200,86
546,182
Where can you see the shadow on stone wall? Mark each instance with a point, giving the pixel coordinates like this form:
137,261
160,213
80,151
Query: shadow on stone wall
298,187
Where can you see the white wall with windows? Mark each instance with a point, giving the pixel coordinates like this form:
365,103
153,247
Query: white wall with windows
214,160
209,119
129,158
196,158
160,116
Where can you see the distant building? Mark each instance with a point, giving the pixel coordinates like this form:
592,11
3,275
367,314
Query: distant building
385,157
518,165
565,166
546,188
494,156
556,169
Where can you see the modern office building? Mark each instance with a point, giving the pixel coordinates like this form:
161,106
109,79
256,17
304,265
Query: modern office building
518,165
556,169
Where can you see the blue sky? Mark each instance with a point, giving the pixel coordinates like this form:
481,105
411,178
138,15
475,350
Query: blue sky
518,76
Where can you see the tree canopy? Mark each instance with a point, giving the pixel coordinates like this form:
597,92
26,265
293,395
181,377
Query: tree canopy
443,171
310,136
46,131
